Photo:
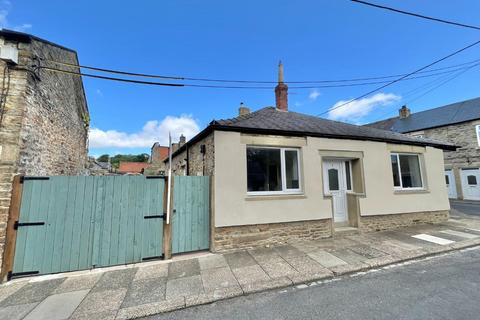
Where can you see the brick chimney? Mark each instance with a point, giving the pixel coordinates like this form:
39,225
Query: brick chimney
243,109
281,91
404,112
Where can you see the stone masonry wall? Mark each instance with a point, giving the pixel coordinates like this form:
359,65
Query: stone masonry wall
251,236
463,135
43,131
393,221
199,164
55,127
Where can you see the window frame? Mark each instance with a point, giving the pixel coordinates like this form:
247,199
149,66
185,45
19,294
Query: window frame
349,177
398,154
283,172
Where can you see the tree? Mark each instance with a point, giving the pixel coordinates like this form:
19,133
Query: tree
103,158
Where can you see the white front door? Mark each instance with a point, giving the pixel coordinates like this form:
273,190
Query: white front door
450,182
335,185
471,184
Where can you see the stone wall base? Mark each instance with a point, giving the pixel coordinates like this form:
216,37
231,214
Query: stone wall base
251,236
393,221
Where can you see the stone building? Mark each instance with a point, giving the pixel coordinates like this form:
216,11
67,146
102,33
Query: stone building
279,175
457,123
158,154
44,116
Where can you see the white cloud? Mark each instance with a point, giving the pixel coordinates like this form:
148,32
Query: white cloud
314,94
151,132
4,23
355,110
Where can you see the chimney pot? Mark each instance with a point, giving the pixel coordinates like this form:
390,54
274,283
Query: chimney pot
243,109
182,140
404,112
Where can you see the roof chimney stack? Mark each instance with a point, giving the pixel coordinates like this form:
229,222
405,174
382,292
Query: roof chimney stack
243,109
281,91
404,112
182,140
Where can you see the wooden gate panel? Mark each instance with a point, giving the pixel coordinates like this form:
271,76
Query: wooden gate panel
191,216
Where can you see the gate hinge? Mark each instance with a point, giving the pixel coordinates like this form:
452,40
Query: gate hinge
26,224
155,216
23,178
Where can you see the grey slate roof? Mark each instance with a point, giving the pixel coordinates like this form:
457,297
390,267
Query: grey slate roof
271,121
438,117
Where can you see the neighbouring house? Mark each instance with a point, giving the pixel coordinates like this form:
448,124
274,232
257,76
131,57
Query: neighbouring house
98,168
132,167
158,154
279,175
457,123
44,117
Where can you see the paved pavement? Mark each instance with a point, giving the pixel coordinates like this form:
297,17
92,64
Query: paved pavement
145,289
465,207
443,287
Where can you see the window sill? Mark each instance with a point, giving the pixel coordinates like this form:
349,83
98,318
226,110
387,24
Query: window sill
286,196
406,191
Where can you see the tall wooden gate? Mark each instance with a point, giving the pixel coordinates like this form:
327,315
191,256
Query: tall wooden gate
191,214
73,222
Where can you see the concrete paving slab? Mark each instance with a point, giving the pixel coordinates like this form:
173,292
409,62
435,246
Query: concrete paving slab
348,256
217,278
216,295
278,269
95,303
150,309
260,286
214,261
113,280
152,271
405,239
288,251
239,259
145,291
77,283
306,265
100,315
183,268
460,234
250,274
265,255
181,287
326,259
32,292
367,251
7,289
16,312
58,306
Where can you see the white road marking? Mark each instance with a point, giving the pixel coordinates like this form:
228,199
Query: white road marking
460,234
429,238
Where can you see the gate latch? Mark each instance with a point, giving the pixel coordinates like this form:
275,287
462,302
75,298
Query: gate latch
26,224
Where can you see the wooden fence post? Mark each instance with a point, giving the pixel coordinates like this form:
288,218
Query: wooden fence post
167,228
11,234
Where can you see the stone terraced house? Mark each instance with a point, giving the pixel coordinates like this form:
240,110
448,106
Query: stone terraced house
44,117
457,123
280,175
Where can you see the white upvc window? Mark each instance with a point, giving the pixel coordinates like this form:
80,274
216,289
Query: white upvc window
406,171
272,170
477,131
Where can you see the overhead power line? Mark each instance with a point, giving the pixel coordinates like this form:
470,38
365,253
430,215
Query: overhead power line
401,78
194,85
249,81
458,24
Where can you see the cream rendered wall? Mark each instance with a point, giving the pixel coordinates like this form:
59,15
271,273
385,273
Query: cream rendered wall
234,207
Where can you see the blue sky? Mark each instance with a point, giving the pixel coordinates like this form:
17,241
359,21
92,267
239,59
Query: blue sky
316,40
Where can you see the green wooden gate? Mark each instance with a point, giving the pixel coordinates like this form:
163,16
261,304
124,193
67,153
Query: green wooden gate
71,223
191,214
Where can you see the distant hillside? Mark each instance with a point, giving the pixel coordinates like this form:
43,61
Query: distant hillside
115,160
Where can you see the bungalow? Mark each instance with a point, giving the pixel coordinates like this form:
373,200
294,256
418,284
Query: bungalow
279,175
